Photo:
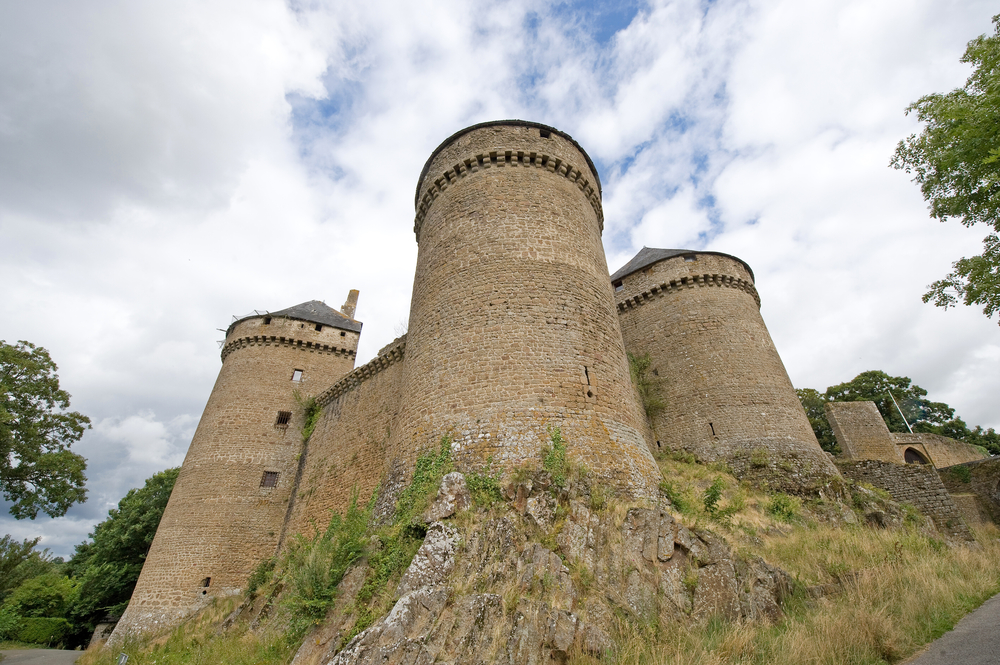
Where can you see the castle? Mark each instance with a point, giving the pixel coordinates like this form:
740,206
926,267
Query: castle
516,328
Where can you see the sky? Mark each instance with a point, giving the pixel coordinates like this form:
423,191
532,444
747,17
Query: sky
165,166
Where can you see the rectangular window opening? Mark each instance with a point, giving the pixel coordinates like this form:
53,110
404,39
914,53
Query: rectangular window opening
284,417
297,375
269,479
544,133
319,327
690,258
619,285
267,320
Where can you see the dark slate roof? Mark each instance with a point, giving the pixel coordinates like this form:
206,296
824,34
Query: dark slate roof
510,123
313,311
647,256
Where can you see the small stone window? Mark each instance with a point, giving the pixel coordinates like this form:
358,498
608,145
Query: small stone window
284,417
267,320
206,582
690,258
544,133
319,327
712,427
619,285
269,479
343,334
296,375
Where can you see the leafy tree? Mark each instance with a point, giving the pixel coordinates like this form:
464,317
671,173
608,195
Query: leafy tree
813,401
879,387
20,561
956,162
108,567
37,469
46,596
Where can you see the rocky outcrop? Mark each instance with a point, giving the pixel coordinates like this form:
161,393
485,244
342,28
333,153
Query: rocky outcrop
541,577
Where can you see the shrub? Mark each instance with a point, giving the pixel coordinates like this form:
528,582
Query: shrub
484,486
674,496
962,473
9,623
638,367
759,458
314,568
712,495
554,457
783,507
42,630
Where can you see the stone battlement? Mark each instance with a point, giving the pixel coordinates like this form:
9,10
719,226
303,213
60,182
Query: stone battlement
506,158
715,279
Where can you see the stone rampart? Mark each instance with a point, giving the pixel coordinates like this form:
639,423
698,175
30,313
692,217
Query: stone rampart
347,451
861,432
981,478
916,484
941,451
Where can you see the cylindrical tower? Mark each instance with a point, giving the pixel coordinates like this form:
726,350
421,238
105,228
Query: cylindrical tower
227,509
725,393
512,328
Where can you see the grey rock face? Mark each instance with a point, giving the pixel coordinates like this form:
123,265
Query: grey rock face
453,497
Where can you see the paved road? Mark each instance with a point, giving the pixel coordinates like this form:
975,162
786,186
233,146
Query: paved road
40,657
974,640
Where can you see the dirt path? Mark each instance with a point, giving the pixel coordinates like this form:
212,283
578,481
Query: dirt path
40,657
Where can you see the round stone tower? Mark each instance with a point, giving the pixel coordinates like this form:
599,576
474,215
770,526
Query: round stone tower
227,509
512,329
725,394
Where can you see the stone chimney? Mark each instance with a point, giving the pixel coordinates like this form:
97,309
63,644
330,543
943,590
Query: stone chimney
351,304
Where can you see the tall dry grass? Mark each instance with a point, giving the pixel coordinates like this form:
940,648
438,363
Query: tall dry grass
908,589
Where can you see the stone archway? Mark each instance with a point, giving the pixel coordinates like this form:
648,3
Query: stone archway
914,456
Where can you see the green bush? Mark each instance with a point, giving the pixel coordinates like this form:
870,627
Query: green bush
314,568
674,496
554,457
962,473
41,630
783,507
484,485
712,495
9,622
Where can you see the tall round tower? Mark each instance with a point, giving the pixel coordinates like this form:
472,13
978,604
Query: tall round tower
227,509
512,327
724,390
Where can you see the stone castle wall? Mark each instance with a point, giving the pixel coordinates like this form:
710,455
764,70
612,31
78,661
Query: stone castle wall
940,450
512,325
916,484
983,482
220,520
861,432
347,451
725,392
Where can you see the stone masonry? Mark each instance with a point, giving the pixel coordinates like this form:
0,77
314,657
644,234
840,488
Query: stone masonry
916,484
725,392
515,330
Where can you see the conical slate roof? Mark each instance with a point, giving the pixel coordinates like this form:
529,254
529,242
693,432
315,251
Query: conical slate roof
312,311
647,256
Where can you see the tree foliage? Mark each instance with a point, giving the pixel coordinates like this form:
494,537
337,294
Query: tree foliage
956,162
922,414
108,566
37,469
20,561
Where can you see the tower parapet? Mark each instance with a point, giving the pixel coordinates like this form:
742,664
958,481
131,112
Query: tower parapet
725,392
